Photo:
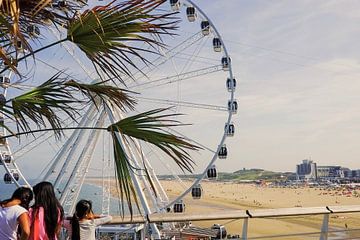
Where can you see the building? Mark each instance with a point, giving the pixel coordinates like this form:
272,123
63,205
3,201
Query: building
330,172
306,170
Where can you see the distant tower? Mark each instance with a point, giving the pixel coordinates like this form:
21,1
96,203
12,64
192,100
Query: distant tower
306,170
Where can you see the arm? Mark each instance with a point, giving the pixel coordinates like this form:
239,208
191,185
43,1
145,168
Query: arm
24,223
102,219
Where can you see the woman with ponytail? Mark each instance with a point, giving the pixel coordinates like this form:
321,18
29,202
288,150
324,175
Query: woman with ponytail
84,221
46,214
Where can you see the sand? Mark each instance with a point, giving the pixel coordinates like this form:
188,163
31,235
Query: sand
220,196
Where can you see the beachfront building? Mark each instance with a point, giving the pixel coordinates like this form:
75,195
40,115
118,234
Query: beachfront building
329,172
306,170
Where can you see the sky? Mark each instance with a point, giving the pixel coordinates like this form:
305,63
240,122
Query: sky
297,68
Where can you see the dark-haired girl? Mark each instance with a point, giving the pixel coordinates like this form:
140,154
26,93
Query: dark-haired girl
13,213
84,221
46,214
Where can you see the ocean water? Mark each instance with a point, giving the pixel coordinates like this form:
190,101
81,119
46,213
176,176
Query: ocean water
89,192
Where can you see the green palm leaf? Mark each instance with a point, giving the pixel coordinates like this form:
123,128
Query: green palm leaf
108,94
122,170
47,102
40,104
105,33
150,127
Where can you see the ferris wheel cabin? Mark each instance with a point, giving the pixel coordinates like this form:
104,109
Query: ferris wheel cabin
175,5
19,45
62,5
217,44
191,14
8,178
232,106
225,62
222,154
5,158
4,80
231,84
205,28
196,192
33,30
211,172
229,129
179,207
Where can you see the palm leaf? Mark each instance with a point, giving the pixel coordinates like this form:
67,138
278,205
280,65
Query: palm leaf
122,170
108,94
40,104
17,15
44,103
149,127
105,34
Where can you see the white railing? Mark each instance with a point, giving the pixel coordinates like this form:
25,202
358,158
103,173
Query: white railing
245,215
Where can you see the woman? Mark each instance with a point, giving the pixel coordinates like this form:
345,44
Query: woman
46,214
83,223
13,213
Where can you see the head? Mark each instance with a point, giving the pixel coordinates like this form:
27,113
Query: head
43,192
25,195
83,208
45,198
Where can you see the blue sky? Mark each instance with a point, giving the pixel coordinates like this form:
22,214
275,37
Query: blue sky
297,64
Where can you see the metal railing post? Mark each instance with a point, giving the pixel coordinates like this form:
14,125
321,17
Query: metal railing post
325,228
245,229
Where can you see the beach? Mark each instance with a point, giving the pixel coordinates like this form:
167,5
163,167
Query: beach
220,196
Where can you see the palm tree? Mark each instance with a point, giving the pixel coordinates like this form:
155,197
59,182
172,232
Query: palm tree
105,34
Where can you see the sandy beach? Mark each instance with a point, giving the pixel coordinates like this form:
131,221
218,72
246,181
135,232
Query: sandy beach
219,196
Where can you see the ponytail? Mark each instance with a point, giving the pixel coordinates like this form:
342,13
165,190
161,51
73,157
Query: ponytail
83,207
75,235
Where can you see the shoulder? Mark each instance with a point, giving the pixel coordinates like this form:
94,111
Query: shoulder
17,210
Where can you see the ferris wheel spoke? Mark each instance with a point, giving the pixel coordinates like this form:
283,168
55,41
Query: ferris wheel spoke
184,104
176,78
168,55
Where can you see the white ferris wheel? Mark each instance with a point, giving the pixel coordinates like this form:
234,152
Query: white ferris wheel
191,75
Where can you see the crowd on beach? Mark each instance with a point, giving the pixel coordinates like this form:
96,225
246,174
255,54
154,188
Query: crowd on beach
44,219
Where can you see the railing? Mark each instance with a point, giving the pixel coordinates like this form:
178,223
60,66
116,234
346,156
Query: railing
245,215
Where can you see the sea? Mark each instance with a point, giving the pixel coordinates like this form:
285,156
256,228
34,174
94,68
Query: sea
88,191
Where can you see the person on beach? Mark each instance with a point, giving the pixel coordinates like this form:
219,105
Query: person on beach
46,214
13,213
84,221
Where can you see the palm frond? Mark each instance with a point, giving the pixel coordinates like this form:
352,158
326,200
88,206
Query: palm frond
108,94
105,34
40,104
124,180
150,127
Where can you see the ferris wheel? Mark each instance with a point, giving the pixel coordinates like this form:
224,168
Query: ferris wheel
191,75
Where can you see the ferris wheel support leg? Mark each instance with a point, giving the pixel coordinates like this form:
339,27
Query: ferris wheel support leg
142,178
152,173
137,185
244,233
77,136
78,174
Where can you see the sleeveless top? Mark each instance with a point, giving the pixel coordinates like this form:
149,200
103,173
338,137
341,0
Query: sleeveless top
38,228
9,221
